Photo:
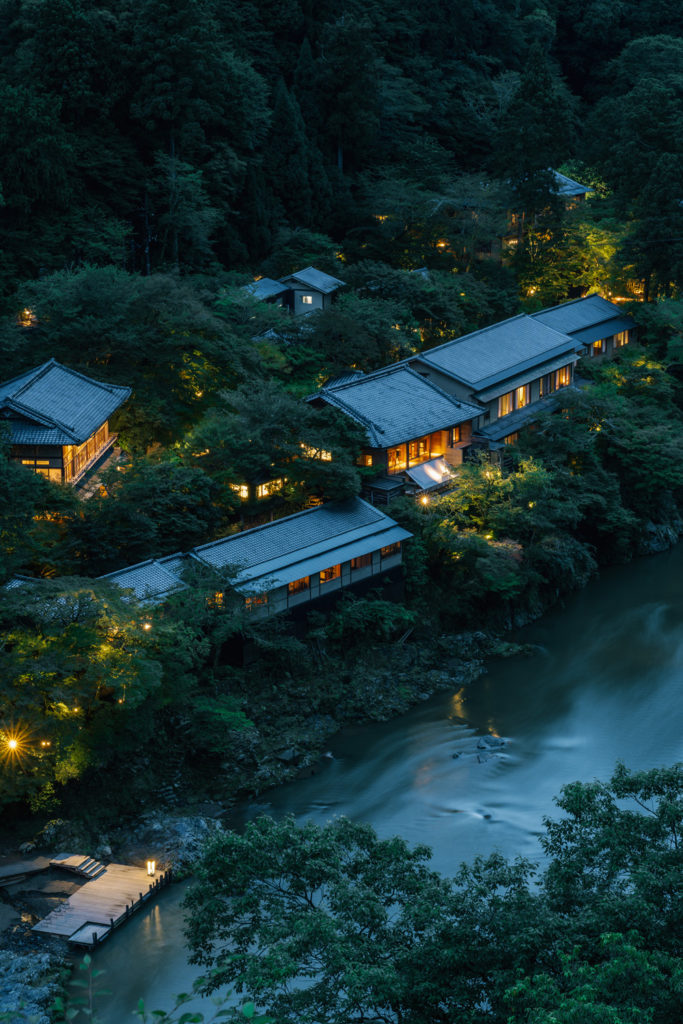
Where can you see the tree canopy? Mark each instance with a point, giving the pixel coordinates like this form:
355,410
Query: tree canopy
332,924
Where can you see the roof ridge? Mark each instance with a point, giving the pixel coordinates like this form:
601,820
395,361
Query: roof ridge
572,302
38,417
283,519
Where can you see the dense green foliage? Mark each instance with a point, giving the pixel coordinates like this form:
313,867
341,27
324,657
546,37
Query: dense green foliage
161,156
152,137
333,925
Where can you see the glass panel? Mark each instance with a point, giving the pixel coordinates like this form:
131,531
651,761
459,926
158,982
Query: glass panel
298,585
361,562
390,549
522,396
333,573
505,404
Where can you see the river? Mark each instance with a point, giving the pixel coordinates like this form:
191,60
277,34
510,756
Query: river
604,685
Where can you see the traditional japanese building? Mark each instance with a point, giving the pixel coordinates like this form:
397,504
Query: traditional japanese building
57,420
416,431
514,370
308,556
310,289
600,326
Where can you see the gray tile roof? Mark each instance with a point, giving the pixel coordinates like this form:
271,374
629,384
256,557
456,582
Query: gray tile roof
499,352
520,418
565,186
265,288
396,405
587,319
151,580
300,544
309,277
55,405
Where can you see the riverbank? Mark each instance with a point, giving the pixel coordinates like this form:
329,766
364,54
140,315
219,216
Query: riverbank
395,678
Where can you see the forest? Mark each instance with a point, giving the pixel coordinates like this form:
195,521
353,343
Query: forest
163,156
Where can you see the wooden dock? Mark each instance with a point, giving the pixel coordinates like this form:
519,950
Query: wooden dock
108,897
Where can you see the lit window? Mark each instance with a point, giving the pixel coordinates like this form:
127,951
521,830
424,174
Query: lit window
242,490
215,600
255,601
396,459
316,453
361,562
522,396
333,573
563,377
511,438
271,487
621,339
598,347
506,403
391,549
296,586
365,460
307,300
456,435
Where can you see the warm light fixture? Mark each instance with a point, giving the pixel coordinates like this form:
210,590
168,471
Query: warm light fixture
147,625
151,867
12,743
424,499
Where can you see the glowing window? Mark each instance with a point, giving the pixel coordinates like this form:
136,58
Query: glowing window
241,489
598,347
563,377
271,487
391,549
296,586
333,573
621,339
522,396
506,403
307,300
361,562
255,601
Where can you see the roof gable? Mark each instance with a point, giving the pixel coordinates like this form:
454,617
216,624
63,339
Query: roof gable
567,187
396,405
61,400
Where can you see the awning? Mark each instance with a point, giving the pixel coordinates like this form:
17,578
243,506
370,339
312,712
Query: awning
430,475
604,330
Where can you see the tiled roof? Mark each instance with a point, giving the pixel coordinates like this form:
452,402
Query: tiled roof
520,418
580,315
55,405
289,548
565,186
151,580
498,352
265,288
316,279
396,405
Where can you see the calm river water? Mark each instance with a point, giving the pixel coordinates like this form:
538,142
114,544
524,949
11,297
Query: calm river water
605,685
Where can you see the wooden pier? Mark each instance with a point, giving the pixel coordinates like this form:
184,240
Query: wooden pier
108,897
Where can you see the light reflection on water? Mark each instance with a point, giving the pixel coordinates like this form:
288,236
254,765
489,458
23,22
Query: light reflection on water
604,685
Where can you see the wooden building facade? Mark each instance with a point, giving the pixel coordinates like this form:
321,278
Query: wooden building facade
57,420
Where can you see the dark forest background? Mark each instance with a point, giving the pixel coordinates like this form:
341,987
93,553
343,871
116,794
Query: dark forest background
197,134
